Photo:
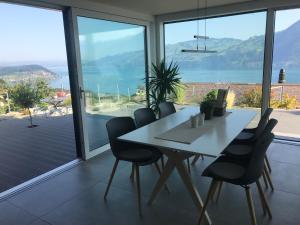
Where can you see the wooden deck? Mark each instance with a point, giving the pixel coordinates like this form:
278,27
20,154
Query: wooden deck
28,152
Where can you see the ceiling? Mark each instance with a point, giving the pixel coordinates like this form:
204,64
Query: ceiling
157,7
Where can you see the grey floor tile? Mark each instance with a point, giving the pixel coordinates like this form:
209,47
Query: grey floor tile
12,215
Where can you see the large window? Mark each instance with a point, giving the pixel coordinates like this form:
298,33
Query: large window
113,70
34,82
238,62
285,88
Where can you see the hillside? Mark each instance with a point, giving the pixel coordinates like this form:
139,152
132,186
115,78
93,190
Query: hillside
14,74
232,53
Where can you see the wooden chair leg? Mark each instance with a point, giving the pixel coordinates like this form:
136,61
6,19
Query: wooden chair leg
162,162
219,190
111,177
132,172
269,178
210,192
250,205
268,164
265,179
195,159
138,187
159,172
263,199
188,165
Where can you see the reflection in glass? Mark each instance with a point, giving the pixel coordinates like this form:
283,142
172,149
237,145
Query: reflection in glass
113,68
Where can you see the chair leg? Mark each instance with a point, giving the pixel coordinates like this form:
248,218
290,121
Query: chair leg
111,177
269,178
268,164
138,187
263,199
132,172
219,190
250,205
162,162
210,192
159,172
195,159
188,165
265,179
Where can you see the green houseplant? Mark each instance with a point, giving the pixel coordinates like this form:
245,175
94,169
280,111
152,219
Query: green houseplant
163,83
208,104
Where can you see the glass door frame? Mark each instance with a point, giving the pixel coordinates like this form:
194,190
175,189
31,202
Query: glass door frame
74,13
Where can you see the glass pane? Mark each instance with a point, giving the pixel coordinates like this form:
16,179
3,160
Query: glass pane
113,68
237,64
34,79
285,89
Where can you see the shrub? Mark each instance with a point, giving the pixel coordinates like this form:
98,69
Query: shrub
180,94
251,98
230,99
288,102
211,96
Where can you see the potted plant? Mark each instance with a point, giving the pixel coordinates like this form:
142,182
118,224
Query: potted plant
163,83
208,104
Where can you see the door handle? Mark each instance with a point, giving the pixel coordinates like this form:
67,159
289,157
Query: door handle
82,92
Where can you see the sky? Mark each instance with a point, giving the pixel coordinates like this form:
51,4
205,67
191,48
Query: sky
30,34
241,26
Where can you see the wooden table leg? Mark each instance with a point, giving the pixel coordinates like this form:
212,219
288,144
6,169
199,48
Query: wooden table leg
169,167
176,159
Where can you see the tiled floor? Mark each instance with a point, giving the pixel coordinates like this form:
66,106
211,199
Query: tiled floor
76,197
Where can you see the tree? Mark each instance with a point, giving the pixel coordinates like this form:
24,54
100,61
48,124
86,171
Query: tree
26,95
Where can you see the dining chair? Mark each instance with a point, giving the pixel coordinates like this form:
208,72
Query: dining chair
242,172
143,117
165,109
138,155
249,135
235,151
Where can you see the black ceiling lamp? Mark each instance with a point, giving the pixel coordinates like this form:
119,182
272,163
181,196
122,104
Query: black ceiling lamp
198,37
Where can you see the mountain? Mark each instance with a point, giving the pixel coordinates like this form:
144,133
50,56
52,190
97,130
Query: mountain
25,72
287,47
231,53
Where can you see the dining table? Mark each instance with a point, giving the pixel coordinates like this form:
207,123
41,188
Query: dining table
177,140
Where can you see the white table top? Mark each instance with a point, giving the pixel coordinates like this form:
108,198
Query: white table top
211,143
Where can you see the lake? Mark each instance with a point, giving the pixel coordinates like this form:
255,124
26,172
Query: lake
111,83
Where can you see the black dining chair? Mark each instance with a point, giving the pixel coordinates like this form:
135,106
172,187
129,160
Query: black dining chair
138,155
248,135
165,109
143,117
242,172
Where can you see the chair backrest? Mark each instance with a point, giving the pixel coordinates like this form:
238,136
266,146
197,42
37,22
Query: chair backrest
166,108
263,123
144,116
116,127
256,164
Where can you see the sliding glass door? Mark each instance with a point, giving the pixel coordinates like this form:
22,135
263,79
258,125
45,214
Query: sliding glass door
113,69
36,114
285,87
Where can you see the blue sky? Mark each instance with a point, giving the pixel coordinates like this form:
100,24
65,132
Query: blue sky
31,34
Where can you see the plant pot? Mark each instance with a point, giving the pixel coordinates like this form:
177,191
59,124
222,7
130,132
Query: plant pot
207,109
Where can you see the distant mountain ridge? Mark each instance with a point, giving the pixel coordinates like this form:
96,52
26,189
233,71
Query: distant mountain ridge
231,53
25,72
